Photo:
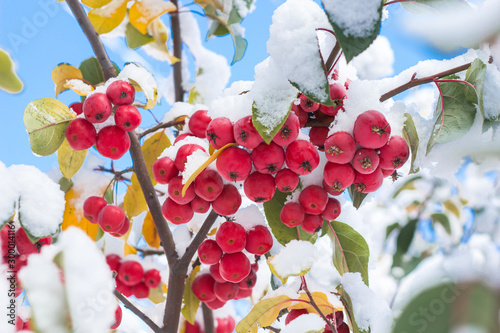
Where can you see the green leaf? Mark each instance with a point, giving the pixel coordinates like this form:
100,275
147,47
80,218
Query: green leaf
446,307
70,160
351,252
191,303
475,76
459,114
135,38
281,232
240,46
265,132
403,242
390,228
346,301
91,71
354,45
217,29
65,184
443,220
234,14
46,120
9,81
411,136
407,185
356,196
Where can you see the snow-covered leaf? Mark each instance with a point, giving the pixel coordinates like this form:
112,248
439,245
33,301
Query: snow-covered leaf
410,134
295,259
475,75
264,313
61,74
91,71
10,194
191,303
159,31
141,13
321,301
431,6
443,220
9,81
346,301
106,18
70,160
142,80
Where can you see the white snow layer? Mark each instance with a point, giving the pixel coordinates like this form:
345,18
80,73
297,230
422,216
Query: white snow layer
356,18
295,258
376,61
9,193
310,322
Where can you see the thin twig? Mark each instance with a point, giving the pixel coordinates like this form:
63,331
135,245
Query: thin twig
149,252
331,58
161,126
208,318
137,312
272,329
316,307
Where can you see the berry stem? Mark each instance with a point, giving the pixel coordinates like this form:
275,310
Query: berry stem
161,126
329,64
129,305
442,107
315,306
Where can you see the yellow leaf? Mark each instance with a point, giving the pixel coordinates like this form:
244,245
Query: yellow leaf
9,81
191,302
95,3
128,249
264,313
141,13
159,32
212,232
108,17
156,295
212,158
164,288
142,80
70,160
134,202
152,149
149,231
449,205
216,3
321,301
73,217
61,74
180,126
80,86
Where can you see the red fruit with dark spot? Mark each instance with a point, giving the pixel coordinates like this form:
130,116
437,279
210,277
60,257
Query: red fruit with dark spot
203,287
249,281
208,185
228,202
234,164
245,133
388,172
286,180
234,267
175,213
92,206
289,131
175,191
394,154
111,218
314,199
113,261
225,291
140,290
259,187
77,107
338,94
312,223
294,314
209,252
182,154
215,273
220,132
215,304
332,209
259,240
371,129
164,170
318,135
123,288
292,214
268,158
81,134
195,328
152,278
120,93
338,176
127,117
301,114
301,157
118,318
331,189
200,205
97,108
365,160
370,182
231,237
112,142
308,105
130,272
340,147
198,123
123,230
343,328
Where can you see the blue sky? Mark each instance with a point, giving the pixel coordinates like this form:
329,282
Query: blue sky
39,34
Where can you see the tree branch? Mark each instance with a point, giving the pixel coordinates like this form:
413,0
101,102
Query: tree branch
161,126
208,318
137,312
428,79
177,41
315,306
108,70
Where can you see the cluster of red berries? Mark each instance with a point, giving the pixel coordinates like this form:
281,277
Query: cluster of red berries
131,278
111,141
110,218
222,325
231,274
341,326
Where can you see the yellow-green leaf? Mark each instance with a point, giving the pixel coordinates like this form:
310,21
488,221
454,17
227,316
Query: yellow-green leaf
46,120
9,81
108,17
321,301
74,217
134,202
190,301
149,231
263,313
452,207
80,86
152,149
216,3
158,30
95,3
156,295
61,74
70,160
141,13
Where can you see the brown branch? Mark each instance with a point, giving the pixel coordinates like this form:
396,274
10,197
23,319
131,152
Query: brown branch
428,79
333,55
208,318
161,126
149,252
177,41
316,307
108,70
272,329
137,312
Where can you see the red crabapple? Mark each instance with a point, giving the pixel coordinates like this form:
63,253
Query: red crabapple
332,209
312,223
182,136
340,147
215,273
228,202
176,213
368,183
292,214
259,240
118,317
123,230
208,185
286,180
199,205
81,134
24,244
97,108
307,104
152,278
164,170
225,325
215,304
338,176
203,287
234,164
209,252
301,114
234,267
220,132
123,288
245,133
338,93
111,218
198,123
112,142
92,206
259,187
289,131
231,237
365,160
175,191
314,199
225,291
130,272
77,107
249,281
371,129
301,157
394,154
182,154
127,117
268,158
113,261
120,93
140,290
318,135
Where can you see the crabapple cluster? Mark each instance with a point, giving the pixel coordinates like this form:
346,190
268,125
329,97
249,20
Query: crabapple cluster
231,274
222,325
110,218
340,325
131,278
110,141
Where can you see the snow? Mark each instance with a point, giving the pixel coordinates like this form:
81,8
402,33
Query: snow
249,217
182,237
491,98
243,7
9,193
194,162
376,61
310,322
171,151
143,78
295,258
81,87
41,203
357,19
233,104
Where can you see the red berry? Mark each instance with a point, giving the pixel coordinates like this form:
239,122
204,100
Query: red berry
249,281
77,107
225,325
215,304
289,131
332,209
24,244
182,137
301,157
231,237
203,287
268,158
80,134
234,164
92,206
234,267
243,293
343,328
123,230
317,136
112,142
292,214
314,199
220,132
259,187
183,153
175,191
388,172
332,189
225,291
301,114
152,278
340,147
307,104
130,272
4,240
111,218
312,223
192,328
208,185
286,180
120,93
200,205
371,129
338,176
97,108
164,170
365,160
259,240
175,213
294,314
198,123
338,93
123,288
118,317
127,117
113,261
228,202
370,182
215,273
140,290
394,154
245,133
209,252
